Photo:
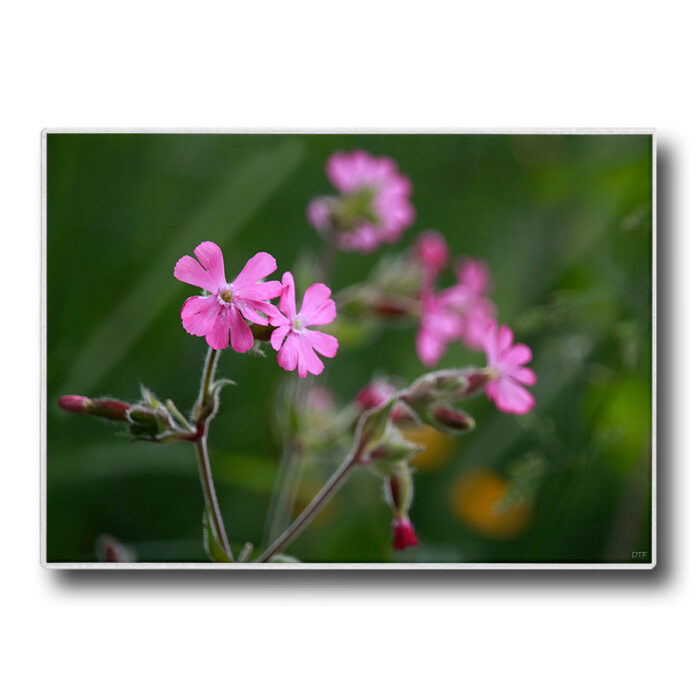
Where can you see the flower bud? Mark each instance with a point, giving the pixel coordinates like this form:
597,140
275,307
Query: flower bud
143,422
263,333
111,409
400,488
393,450
448,418
372,427
474,381
403,534
74,404
374,394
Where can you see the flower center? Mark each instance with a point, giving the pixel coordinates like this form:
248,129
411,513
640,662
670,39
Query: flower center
298,324
226,295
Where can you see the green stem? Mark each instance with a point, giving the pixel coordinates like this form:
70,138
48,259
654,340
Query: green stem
310,512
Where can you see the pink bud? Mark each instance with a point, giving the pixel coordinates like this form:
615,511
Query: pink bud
403,534
451,419
74,404
112,409
374,394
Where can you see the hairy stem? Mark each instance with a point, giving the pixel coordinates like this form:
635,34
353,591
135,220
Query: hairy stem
312,510
200,445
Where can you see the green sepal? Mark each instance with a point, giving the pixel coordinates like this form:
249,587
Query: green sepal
395,448
372,427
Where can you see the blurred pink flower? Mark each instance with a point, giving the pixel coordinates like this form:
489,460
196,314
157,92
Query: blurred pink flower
474,277
220,315
293,339
441,322
403,534
432,252
318,213
505,361
388,199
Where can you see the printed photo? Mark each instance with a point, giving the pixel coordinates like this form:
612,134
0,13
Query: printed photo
349,349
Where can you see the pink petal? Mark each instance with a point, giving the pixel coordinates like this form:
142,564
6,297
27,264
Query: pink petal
365,238
288,302
339,171
209,274
509,396
256,311
519,354
317,308
278,336
505,339
218,333
524,375
308,359
428,347
199,314
475,327
260,291
431,249
323,343
241,336
318,213
474,274
288,356
490,342
259,266
456,297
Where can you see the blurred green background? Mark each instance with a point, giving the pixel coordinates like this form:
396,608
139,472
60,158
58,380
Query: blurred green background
563,221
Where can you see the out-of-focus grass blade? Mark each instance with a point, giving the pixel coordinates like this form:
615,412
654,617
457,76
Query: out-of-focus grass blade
238,198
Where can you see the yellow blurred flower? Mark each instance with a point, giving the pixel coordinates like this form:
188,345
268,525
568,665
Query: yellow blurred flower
438,446
476,496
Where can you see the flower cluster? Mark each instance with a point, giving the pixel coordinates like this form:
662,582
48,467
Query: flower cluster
220,314
373,206
464,313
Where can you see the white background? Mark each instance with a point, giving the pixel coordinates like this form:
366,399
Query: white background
353,65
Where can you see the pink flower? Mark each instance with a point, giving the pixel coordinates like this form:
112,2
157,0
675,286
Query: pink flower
220,315
441,322
374,205
403,533
293,339
474,277
430,248
505,362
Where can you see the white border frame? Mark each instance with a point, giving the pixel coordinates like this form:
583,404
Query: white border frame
349,566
